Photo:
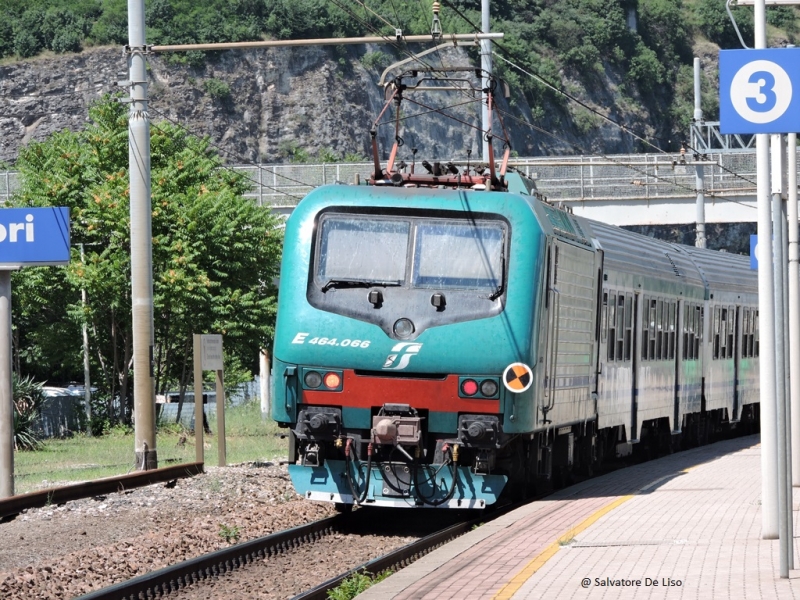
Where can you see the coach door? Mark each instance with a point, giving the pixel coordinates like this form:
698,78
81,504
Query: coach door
679,320
737,359
637,353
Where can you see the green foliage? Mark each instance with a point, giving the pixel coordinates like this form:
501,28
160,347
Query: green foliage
293,152
646,70
215,255
230,534
217,89
328,155
356,584
783,17
354,157
375,60
28,399
715,24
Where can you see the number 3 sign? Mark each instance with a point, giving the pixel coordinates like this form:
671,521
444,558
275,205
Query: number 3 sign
756,91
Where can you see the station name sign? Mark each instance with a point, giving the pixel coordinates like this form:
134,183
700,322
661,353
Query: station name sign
34,237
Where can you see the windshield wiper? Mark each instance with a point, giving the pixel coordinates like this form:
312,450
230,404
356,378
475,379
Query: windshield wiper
500,288
497,293
347,283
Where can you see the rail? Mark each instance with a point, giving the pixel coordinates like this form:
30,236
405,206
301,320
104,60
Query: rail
88,489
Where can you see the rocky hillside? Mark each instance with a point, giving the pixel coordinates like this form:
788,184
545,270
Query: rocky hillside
275,104
280,105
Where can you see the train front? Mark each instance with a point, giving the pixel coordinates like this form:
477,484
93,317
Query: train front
404,351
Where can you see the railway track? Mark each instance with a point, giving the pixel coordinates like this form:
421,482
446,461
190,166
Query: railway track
89,489
179,579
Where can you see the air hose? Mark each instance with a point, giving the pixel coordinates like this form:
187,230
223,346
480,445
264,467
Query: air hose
453,472
357,498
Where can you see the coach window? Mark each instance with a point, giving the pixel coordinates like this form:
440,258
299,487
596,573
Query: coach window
659,329
698,329
747,334
648,329
604,317
685,332
612,325
672,311
756,334
619,353
628,325
731,328
716,331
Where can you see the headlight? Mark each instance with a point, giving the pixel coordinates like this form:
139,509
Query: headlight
313,379
403,328
488,387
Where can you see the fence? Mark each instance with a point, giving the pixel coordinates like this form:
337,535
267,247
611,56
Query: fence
568,178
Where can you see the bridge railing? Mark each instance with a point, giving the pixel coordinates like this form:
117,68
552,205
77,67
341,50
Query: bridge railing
567,178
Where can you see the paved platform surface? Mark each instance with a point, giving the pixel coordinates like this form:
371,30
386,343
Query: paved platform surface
683,526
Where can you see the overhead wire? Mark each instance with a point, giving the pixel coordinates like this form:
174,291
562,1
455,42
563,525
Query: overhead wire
569,96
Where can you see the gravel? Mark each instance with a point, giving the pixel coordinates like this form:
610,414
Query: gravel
69,550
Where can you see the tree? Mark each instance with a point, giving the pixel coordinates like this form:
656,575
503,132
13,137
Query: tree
215,255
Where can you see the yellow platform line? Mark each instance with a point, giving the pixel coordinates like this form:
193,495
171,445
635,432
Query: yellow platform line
511,588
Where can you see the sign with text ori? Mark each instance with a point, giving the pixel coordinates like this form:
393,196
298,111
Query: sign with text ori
759,91
34,237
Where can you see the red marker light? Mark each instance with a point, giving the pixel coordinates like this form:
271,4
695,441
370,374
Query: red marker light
469,387
332,381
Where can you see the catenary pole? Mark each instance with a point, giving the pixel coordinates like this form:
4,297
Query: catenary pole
766,317
6,390
794,305
700,205
141,243
776,152
486,69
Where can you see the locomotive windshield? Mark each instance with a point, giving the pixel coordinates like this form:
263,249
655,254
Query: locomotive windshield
363,250
431,253
458,255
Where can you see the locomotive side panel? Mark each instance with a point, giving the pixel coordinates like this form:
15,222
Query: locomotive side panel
569,362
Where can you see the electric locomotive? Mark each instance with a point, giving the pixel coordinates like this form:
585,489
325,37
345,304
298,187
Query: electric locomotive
443,337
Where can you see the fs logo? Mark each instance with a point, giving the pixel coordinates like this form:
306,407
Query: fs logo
401,355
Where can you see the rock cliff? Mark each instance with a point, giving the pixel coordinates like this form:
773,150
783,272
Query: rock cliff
263,105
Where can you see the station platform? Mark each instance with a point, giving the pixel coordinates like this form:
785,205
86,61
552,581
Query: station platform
683,526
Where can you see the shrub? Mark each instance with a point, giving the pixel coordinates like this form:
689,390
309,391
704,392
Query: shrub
375,60
28,400
715,24
219,90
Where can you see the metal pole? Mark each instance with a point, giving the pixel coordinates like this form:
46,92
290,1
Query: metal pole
780,372
87,384
794,306
766,318
222,458
6,391
197,357
141,244
486,68
263,363
700,207
787,423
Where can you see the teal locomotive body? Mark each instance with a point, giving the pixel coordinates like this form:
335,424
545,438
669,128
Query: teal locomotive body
437,347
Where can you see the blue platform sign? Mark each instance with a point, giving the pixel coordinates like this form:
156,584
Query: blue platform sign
34,237
759,91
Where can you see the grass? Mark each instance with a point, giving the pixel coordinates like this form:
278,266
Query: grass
355,584
83,458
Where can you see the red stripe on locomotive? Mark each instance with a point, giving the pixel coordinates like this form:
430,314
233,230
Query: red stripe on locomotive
366,391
